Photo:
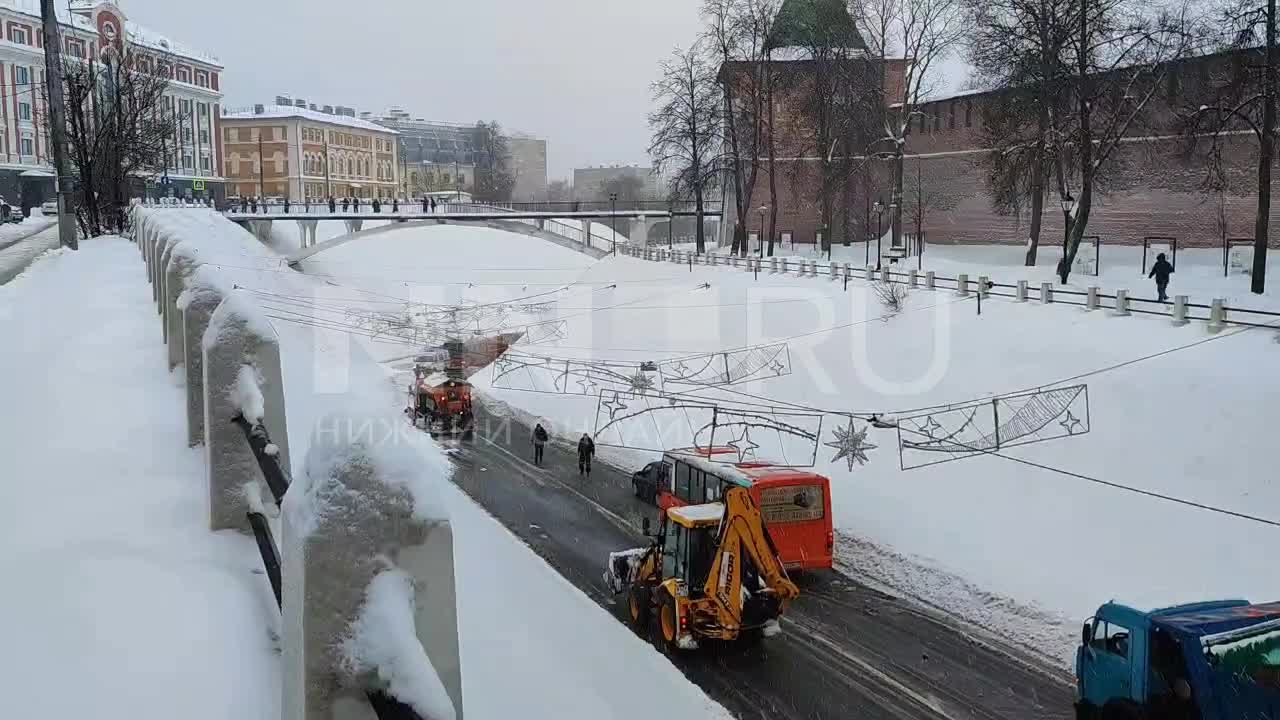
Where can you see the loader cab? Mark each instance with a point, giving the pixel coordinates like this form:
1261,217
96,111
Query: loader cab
688,538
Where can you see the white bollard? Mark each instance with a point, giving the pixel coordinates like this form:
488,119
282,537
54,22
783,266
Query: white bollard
241,377
181,265
773,265
1122,302
1179,309
984,286
1217,315
884,273
834,270
1046,293
913,278
962,284
784,266
871,273
366,548
1022,291
930,282
848,271
1091,298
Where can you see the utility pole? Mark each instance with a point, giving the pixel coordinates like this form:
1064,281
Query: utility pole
58,126
261,196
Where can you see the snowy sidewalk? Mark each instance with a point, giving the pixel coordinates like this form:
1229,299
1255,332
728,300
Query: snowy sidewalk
118,602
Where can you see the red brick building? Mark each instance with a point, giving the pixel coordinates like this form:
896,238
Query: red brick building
1155,183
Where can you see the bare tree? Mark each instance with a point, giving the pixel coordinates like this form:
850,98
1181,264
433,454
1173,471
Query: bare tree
119,127
687,128
1248,103
558,190
1116,61
738,32
921,199
923,33
494,179
1017,49
892,297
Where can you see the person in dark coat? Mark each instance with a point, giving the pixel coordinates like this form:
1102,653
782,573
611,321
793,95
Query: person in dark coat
395,205
345,203
254,203
355,204
244,204
539,438
286,206
425,205
1161,271
586,449
333,204
433,204
377,205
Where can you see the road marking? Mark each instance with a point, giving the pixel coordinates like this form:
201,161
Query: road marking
617,519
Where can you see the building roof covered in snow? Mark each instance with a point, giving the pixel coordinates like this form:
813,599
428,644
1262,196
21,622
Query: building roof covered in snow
278,112
77,15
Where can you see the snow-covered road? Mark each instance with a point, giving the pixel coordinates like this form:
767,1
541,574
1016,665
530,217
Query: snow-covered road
118,602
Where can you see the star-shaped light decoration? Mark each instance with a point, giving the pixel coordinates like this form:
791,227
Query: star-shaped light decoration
850,444
680,368
777,367
1070,423
744,445
930,426
501,365
588,385
640,382
615,405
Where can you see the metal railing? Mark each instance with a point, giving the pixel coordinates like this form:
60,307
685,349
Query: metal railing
385,706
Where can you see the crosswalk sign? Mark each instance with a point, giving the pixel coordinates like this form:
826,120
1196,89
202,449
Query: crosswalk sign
197,184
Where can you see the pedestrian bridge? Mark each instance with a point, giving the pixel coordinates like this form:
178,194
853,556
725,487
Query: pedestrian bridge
590,230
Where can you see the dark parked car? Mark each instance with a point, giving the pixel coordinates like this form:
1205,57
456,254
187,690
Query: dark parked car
648,480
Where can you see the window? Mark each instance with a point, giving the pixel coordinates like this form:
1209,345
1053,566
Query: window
697,486
24,111
204,137
75,48
28,146
186,162
683,473
186,134
184,107
1111,638
204,162
18,35
202,78
184,75
22,75
203,108
968,113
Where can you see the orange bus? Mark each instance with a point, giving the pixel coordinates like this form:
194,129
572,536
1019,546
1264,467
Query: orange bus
795,503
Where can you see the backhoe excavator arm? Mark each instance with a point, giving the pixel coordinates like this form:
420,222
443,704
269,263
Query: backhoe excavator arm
742,533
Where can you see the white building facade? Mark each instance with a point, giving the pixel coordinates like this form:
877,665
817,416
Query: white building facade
194,93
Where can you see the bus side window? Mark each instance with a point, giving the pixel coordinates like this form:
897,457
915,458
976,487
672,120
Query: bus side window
715,489
682,481
697,486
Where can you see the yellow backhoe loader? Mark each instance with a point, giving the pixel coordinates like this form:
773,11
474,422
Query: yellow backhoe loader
710,572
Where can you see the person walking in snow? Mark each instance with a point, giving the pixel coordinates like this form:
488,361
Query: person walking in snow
377,205
346,202
333,204
355,204
433,205
586,448
1161,271
539,438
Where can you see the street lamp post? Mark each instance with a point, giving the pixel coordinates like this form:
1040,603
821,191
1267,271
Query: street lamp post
879,208
671,223
261,194
613,223
1068,209
760,240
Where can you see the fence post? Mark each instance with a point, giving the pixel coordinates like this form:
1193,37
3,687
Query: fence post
1122,302
884,273
834,270
773,264
1179,309
371,556
930,282
162,293
181,265
1022,291
984,286
848,272
1046,293
1091,298
962,284
871,273
913,278
241,377
1217,315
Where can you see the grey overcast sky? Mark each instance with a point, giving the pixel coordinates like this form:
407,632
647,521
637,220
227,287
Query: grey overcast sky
575,72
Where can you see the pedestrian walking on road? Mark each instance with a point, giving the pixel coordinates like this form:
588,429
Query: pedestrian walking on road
433,204
355,204
586,448
425,205
1161,271
377,205
395,205
333,204
346,202
539,440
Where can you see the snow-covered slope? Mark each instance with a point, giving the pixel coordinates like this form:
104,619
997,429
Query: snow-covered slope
1021,549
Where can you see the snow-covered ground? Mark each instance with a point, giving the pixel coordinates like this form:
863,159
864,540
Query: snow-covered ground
118,602
1025,551
118,591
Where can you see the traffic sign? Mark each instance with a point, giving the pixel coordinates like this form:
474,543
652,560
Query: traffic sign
197,185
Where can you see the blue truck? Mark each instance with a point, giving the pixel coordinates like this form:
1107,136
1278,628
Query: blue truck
1201,661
